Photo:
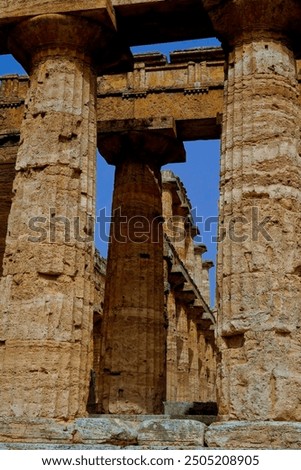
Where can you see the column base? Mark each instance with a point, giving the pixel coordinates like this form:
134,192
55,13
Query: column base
254,435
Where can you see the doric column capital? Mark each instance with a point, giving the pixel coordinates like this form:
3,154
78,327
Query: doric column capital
207,264
42,36
153,139
200,249
238,21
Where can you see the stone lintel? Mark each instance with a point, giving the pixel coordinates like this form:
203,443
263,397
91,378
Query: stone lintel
199,54
254,435
187,88
143,138
152,22
140,22
13,11
150,59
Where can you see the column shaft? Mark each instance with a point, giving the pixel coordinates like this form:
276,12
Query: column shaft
134,323
183,354
259,284
171,352
7,173
47,290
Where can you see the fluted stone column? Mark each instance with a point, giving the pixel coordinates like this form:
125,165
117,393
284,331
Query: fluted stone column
259,282
194,360
199,250
7,174
47,288
134,333
171,352
206,266
183,354
12,90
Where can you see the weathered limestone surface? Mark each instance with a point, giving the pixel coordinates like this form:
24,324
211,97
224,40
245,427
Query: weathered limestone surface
134,327
12,11
254,435
206,266
100,266
106,432
174,432
12,92
189,88
187,346
47,291
7,174
139,21
191,363
259,284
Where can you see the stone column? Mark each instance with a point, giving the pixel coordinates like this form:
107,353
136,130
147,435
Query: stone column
12,90
134,352
8,153
183,391
199,250
171,350
259,281
193,385
206,266
47,287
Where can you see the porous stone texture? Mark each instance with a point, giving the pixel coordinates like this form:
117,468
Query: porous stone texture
47,290
189,87
254,435
259,284
106,432
174,432
12,92
100,266
134,325
191,366
7,173
140,21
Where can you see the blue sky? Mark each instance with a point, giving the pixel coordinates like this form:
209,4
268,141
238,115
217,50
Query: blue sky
200,173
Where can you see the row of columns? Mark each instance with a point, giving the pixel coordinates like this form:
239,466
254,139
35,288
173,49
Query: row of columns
46,287
47,283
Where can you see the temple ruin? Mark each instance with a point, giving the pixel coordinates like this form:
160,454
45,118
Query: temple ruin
97,353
